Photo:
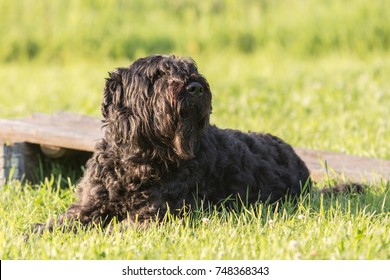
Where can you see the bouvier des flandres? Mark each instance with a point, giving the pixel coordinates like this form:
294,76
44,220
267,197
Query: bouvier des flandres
160,153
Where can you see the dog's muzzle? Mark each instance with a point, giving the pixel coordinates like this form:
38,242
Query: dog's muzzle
195,89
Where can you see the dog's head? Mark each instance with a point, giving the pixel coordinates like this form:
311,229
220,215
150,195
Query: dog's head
158,107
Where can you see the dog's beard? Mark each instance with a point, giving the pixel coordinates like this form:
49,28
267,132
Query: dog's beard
185,142
189,130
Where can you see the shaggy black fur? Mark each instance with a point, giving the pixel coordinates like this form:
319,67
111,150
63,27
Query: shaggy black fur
160,151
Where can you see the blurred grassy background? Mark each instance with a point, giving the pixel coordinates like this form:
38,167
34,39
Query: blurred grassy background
312,72
94,29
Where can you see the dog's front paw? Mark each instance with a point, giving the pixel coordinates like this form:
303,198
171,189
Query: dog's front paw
37,228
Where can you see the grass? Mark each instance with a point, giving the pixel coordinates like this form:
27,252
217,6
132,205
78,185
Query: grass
63,31
313,73
343,227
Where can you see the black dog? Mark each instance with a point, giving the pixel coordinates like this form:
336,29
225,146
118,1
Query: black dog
160,152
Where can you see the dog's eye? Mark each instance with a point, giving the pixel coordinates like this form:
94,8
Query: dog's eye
158,74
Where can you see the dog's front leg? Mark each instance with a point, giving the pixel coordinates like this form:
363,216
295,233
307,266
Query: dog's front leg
91,208
67,221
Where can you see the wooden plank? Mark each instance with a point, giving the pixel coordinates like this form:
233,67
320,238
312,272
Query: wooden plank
354,168
79,132
62,130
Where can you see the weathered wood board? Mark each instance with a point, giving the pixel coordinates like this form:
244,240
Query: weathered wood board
66,130
54,133
339,165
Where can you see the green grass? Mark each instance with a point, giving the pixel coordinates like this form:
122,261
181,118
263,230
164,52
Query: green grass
345,227
70,30
312,72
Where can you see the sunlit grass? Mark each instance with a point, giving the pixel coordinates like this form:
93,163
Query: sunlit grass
344,227
74,30
315,73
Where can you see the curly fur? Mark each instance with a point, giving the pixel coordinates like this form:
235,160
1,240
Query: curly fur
159,150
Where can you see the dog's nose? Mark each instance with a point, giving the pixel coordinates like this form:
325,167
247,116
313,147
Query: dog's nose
195,89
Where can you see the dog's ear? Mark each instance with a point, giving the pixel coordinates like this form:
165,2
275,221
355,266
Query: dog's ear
113,93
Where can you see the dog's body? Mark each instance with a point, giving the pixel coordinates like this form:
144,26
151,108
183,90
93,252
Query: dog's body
160,152
228,163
